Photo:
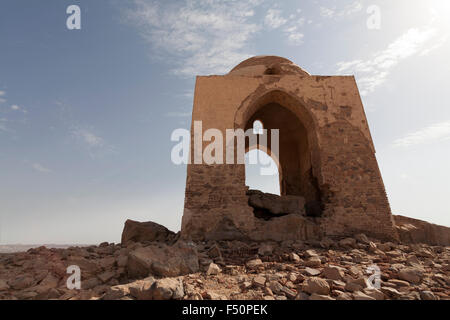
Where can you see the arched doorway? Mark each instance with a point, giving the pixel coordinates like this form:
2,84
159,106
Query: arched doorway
295,151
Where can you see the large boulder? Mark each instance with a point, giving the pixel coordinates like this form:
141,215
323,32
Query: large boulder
146,231
163,260
417,231
276,205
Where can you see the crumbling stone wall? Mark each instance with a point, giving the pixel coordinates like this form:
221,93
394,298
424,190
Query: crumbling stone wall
333,163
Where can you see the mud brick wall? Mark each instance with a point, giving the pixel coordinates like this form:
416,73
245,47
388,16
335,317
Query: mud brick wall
339,159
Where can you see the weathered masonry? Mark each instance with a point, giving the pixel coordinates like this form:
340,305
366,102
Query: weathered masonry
326,156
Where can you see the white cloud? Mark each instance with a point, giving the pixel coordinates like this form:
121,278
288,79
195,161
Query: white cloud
373,72
93,144
327,12
433,133
201,37
348,10
2,94
198,37
88,137
15,107
274,19
40,168
294,36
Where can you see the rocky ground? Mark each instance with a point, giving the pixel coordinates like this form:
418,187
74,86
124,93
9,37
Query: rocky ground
326,270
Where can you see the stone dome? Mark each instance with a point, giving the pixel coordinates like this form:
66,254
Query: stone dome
267,65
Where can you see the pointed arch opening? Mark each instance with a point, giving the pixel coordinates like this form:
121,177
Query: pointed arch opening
297,159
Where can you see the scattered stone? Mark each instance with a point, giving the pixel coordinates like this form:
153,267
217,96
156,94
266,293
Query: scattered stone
358,295
427,295
276,287
356,285
413,261
391,292
117,292
408,272
122,261
162,289
311,253
22,282
344,296
316,285
265,249
3,285
276,205
326,243
106,276
313,262
302,296
215,296
164,261
347,243
259,281
289,293
374,293
312,272
213,269
253,264
411,274
215,252
146,231
385,246
362,238
333,273
294,257
399,283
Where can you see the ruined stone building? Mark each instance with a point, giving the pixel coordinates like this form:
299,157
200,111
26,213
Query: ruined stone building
326,156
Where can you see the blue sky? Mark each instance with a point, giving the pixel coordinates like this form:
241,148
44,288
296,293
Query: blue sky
86,115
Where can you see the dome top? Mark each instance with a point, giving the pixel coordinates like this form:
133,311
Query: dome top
267,65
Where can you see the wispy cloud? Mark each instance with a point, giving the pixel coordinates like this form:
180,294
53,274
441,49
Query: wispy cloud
40,168
92,143
433,133
294,35
274,19
327,12
208,36
346,11
15,107
373,72
198,37
87,137
2,99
